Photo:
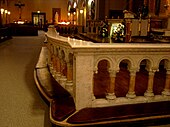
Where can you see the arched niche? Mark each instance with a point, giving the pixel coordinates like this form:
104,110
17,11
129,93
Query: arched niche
52,49
63,63
122,78
70,57
101,79
141,81
160,77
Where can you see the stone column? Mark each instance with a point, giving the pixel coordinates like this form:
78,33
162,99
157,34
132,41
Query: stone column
149,91
128,30
55,63
58,73
52,66
63,78
166,91
111,93
131,92
69,83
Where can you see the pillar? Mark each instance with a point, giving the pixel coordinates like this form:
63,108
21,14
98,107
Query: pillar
69,72
131,92
52,66
58,73
63,78
69,83
58,65
111,92
149,91
128,30
166,91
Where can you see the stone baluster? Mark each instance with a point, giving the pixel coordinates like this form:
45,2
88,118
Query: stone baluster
55,64
52,66
131,92
128,30
58,73
166,91
58,65
149,91
63,78
69,72
111,92
69,83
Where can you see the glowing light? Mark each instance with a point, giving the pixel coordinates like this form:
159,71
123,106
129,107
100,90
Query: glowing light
64,23
68,14
2,10
89,2
38,11
6,11
81,11
9,12
74,13
19,22
75,5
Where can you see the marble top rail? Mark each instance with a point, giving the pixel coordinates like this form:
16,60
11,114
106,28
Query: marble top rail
81,44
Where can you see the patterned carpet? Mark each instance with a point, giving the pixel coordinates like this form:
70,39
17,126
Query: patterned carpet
20,102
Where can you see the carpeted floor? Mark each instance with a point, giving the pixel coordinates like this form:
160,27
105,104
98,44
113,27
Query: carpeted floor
20,102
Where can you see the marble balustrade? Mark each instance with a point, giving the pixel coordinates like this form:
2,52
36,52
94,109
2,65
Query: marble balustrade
74,62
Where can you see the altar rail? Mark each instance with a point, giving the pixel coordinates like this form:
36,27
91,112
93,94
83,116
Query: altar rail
94,72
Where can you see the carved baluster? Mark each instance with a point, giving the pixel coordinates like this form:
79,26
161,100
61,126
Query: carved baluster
111,92
69,83
131,92
167,85
149,91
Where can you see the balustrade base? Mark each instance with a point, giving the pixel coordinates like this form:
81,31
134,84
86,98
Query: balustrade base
104,102
62,81
69,87
166,92
57,76
131,95
110,96
149,94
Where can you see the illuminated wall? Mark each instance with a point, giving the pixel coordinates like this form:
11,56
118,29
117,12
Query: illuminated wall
37,5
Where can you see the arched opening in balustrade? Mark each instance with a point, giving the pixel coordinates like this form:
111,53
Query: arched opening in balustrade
101,79
70,68
57,60
122,79
71,58
63,64
52,49
160,78
141,81
57,52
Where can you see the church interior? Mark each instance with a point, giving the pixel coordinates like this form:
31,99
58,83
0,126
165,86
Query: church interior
93,62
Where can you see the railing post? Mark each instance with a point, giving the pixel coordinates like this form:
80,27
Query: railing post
131,92
69,83
166,91
111,93
149,91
